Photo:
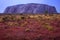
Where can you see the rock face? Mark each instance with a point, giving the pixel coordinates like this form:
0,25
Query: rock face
30,8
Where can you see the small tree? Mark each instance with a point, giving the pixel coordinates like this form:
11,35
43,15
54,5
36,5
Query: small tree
46,12
5,18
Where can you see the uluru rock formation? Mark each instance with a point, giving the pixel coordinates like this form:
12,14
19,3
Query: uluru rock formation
30,8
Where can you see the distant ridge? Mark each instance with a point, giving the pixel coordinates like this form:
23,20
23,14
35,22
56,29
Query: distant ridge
31,8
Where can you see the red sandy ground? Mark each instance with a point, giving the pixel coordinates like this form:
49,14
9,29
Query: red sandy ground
30,29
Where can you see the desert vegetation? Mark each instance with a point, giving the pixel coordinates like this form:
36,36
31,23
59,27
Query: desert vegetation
30,27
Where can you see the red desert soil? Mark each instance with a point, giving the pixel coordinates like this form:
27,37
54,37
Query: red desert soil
30,27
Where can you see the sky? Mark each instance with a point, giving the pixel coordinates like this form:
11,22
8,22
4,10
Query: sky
6,3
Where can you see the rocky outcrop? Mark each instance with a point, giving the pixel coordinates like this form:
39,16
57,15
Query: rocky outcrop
30,8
